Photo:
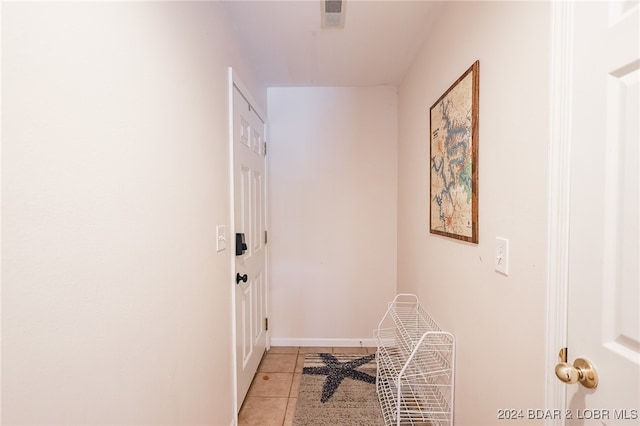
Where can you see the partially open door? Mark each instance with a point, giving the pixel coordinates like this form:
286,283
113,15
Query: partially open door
250,281
601,362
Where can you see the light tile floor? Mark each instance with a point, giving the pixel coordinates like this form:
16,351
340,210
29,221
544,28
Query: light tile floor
272,397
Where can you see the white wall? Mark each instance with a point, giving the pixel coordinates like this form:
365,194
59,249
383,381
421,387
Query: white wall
115,304
499,321
332,236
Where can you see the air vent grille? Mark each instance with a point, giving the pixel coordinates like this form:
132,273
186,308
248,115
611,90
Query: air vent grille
333,13
333,6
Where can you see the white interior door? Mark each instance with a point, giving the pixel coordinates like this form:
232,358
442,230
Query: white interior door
249,217
604,259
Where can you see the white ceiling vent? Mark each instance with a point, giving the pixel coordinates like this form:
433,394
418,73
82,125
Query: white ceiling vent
333,13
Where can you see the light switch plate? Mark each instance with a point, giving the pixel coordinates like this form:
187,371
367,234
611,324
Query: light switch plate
221,237
502,255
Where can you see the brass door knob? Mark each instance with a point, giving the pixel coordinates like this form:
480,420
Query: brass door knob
581,371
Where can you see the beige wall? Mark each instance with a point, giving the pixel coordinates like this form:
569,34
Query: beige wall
116,308
333,193
498,321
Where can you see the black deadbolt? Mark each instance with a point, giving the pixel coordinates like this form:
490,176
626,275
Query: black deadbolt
241,246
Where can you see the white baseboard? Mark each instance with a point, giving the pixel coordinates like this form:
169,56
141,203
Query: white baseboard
355,342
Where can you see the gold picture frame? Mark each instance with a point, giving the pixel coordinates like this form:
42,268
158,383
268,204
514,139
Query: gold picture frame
453,159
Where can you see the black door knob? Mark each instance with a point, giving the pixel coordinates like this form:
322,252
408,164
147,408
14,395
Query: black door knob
242,278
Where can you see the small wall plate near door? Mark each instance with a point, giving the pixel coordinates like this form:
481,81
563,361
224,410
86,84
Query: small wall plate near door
502,255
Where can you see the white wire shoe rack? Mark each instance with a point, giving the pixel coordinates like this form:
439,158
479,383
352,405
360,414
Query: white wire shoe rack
416,363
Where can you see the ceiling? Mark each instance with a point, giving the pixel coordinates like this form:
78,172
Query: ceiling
288,46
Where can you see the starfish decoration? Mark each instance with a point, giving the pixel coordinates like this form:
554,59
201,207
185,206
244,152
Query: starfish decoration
337,371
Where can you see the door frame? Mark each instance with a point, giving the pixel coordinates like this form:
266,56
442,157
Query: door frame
234,81
558,193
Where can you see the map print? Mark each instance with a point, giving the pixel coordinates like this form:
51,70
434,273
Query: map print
451,162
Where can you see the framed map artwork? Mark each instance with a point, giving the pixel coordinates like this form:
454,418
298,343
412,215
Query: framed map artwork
453,159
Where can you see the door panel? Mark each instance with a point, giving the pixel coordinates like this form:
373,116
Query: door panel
621,322
604,259
246,301
249,212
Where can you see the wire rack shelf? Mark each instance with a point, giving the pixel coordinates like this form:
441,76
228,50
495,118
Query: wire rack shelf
415,378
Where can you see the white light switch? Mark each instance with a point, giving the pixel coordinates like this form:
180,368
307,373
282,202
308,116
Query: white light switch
221,237
502,255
